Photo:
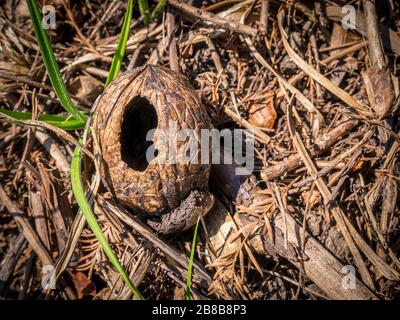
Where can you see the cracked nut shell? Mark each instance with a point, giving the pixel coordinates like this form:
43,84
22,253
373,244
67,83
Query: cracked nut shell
147,98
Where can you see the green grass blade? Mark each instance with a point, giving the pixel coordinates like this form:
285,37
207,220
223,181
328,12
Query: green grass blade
159,7
80,196
144,10
120,51
62,122
50,62
190,267
80,119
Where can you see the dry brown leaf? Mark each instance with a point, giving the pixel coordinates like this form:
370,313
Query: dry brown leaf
263,114
84,286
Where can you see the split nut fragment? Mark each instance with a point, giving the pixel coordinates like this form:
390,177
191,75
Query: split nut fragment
170,194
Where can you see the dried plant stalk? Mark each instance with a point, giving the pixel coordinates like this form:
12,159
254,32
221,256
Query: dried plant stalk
317,262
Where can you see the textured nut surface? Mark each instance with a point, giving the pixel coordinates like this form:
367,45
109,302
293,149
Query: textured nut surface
154,188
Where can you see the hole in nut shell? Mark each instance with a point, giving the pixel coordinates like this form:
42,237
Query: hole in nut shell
139,118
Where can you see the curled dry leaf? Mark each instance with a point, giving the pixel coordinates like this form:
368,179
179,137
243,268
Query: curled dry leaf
86,87
378,84
84,286
263,114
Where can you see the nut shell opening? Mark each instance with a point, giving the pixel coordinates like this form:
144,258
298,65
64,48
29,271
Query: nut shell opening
139,119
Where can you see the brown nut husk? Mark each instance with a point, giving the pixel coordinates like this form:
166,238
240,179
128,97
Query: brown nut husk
148,98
